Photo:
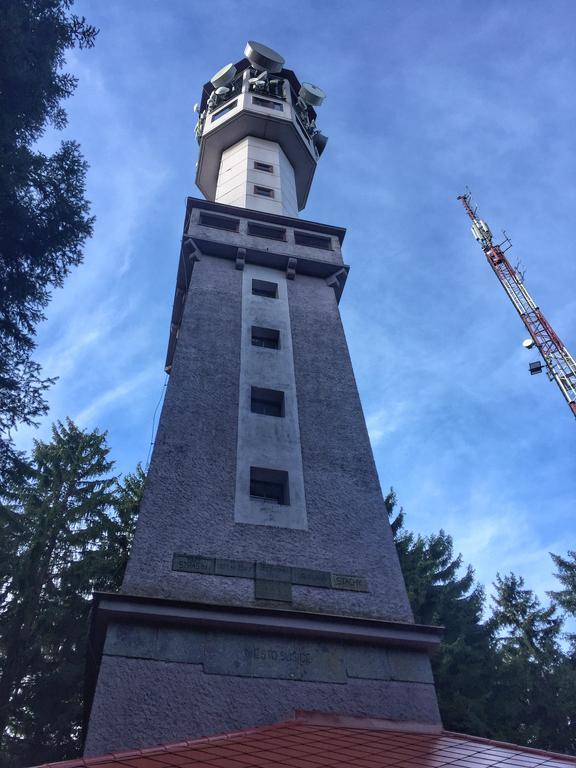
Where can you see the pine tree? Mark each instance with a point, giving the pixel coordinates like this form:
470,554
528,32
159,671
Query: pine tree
534,697
68,525
441,594
44,219
566,575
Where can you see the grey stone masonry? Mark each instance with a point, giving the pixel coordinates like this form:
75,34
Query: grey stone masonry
263,576
171,671
339,524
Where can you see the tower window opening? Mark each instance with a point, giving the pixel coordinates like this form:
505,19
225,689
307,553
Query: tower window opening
262,230
269,485
267,402
263,191
313,241
219,222
223,111
259,102
264,288
265,337
268,167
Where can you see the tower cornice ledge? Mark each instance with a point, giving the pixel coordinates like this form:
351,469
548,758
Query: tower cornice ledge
272,218
283,254
122,607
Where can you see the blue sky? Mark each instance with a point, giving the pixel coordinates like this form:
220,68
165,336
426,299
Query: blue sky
423,98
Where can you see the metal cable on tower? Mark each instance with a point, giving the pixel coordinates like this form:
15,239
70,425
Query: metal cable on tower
560,365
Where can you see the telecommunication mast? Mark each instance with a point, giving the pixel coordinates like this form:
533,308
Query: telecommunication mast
560,365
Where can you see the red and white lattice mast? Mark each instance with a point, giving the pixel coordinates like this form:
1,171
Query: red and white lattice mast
560,365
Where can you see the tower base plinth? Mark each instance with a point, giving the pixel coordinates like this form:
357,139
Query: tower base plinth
170,670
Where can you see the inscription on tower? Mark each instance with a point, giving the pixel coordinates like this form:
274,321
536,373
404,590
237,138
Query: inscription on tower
271,582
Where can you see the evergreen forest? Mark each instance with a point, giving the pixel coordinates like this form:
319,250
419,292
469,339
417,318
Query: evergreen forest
507,664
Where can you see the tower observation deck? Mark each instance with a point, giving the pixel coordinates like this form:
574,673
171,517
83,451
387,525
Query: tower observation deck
263,577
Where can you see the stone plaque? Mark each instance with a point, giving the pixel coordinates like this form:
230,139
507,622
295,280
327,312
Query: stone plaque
410,666
274,658
345,581
132,640
273,590
242,569
273,572
367,663
193,564
310,578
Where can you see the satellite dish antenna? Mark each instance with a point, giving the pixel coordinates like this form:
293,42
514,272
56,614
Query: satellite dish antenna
320,142
224,76
263,58
222,91
196,108
528,343
311,95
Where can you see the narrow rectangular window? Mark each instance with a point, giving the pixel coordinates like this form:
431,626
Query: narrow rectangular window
269,485
264,288
313,241
267,402
262,230
223,111
267,103
219,222
258,166
265,337
263,191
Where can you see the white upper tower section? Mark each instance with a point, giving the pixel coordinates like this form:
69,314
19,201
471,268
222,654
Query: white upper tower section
259,143
255,173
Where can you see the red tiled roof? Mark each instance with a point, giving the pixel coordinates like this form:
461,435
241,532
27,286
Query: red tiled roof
323,741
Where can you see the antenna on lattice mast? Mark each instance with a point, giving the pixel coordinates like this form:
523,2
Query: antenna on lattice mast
560,365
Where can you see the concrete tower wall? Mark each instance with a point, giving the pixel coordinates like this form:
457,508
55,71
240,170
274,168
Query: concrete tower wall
263,576
197,500
172,671
177,700
241,173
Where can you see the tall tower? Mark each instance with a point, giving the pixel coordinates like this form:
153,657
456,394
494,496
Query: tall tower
263,577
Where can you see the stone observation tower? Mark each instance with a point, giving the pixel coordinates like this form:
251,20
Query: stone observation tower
263,577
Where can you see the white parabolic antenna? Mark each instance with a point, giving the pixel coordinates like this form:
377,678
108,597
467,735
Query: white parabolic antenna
224,76
528,343
263,58
311,94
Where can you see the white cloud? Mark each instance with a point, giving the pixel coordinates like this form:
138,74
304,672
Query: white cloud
113,398
386,421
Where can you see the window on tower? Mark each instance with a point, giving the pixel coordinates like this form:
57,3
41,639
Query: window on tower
263,230
269,485
223,111
267,103
267,402
268,167
264,288
219,222
263,191
313,241
265,337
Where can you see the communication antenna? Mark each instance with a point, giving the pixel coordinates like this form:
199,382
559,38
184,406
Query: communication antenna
263,58
311,94
224,76
560,365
